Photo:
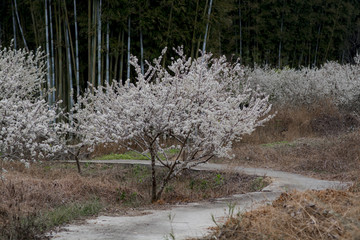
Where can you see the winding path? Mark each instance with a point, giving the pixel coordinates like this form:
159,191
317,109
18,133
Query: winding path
194,219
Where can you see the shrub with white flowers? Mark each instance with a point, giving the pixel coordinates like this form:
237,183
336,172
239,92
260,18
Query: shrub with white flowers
27,126
199,106
339,83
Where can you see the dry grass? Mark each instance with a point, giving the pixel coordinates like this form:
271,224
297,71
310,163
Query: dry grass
49,185
329,157
320,141
27,195
326,214
30,199
198,186
45,185
317,120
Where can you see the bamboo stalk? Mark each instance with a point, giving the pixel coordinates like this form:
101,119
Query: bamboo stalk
128,51
21,30
48,76
207,27
52,53
107,52
77,53
99,42
14,25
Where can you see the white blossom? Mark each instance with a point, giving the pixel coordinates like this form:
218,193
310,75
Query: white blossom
339,83
27,122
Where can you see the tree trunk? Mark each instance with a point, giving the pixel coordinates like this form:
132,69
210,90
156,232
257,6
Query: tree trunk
280,44
68,54
240,28
89,41
107,52
99,42
193,39
141,52
294,55
58,48
52,54
220,50
207,27
14,25
117,56
332,33
48,75
69,35
76,53
154,196
128,51
59,68
122,55
309,57
34,24
317,46
21,30
165,181
199,40
168,31
78,162
301,58
93,54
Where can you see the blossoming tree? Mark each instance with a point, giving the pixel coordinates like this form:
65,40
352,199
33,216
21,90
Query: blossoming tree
27,126
199,106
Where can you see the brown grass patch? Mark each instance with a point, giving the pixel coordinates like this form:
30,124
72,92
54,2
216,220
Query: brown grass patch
198,186
317,120
27,193
329,157
326,214
319,140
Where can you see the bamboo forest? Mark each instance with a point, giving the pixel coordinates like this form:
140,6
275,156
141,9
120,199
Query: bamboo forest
91,41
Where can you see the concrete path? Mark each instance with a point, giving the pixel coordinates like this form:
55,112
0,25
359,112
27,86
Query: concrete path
191,220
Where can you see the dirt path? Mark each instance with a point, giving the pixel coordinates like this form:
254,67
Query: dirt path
191,220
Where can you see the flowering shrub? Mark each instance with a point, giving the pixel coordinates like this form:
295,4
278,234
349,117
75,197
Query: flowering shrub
27,127
201,106
339,83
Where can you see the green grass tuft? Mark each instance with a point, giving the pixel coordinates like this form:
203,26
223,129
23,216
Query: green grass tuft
128,155
281,143
132,155
65,214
